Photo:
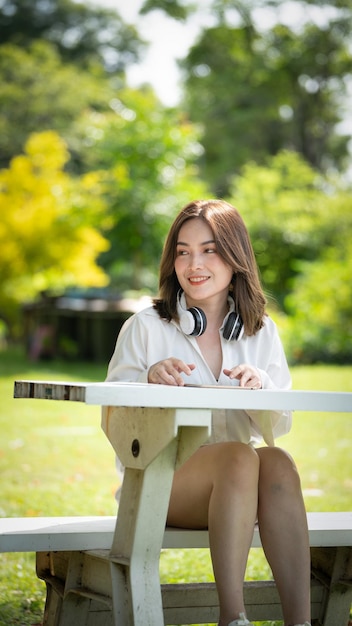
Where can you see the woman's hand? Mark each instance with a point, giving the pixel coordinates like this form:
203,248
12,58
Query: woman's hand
168,372
246,374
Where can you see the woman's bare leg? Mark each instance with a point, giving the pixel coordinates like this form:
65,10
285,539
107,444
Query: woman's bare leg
283,528
218,488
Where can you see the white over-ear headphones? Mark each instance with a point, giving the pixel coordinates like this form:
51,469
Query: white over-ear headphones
193,321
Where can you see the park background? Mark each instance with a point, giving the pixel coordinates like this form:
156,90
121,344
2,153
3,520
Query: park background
93,168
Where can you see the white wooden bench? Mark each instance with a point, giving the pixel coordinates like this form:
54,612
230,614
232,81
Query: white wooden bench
79,592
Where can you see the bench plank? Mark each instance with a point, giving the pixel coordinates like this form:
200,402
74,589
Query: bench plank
40,534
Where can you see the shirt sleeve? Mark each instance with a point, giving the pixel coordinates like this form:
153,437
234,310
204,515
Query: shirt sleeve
128,362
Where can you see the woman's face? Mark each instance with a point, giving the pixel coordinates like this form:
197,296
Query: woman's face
201,271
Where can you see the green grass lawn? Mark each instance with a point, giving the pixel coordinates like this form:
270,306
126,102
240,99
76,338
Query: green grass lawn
55,460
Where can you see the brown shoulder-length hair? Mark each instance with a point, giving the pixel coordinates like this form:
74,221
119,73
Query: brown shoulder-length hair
233,245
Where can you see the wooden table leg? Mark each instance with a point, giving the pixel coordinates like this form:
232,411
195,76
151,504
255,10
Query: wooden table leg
151,443
138,539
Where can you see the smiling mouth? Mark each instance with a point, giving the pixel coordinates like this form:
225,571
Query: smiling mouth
198,279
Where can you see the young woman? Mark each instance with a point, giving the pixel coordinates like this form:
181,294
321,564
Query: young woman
209,326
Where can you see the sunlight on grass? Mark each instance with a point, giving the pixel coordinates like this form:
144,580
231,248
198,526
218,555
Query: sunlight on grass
55,460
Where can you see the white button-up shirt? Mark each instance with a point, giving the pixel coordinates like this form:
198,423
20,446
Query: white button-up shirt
146,339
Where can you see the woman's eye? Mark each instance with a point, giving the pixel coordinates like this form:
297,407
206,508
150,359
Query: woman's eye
181,252
210,250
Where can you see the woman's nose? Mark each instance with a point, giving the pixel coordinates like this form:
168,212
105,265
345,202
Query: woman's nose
195,261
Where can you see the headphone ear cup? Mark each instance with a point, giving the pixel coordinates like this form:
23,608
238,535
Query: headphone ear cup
200,321
234,328
193,322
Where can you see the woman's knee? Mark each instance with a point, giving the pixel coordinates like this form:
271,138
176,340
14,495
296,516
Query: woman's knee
278,469
238,463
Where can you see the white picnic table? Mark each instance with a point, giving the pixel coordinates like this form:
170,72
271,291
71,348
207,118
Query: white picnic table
153,430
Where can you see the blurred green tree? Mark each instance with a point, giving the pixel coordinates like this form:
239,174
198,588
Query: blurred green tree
147,154
82,33
39,92
258,91
286,205
283,204
319,327
58,58
172,8
301,228
48,233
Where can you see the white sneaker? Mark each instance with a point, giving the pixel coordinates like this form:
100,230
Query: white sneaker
242,621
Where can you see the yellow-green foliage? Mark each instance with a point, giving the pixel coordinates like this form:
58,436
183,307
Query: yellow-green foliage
48,237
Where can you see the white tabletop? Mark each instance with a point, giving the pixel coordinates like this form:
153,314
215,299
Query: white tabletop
149,395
